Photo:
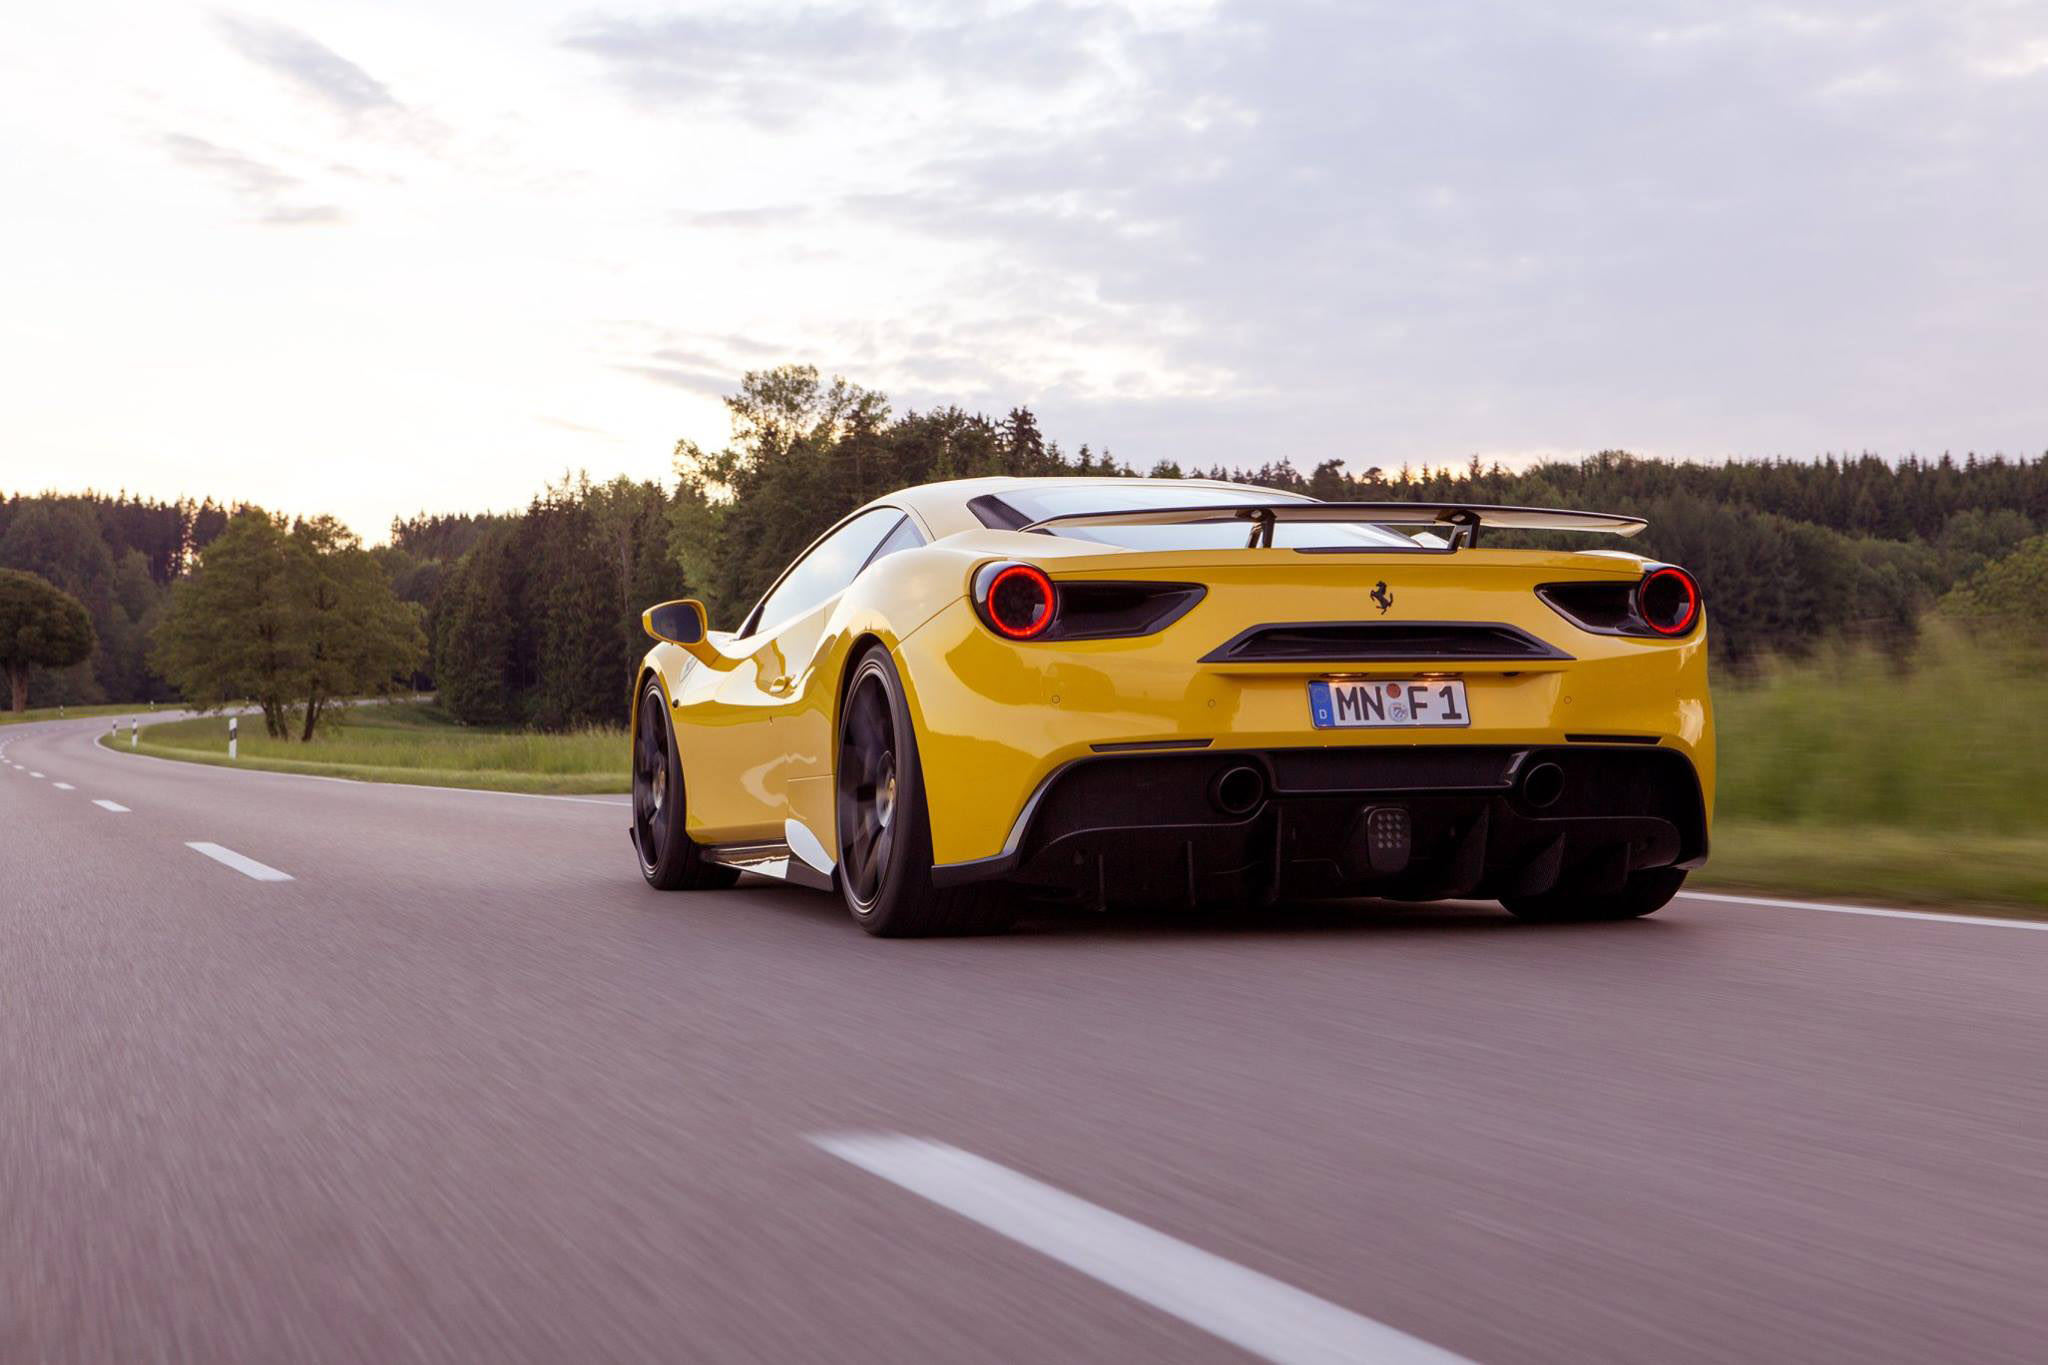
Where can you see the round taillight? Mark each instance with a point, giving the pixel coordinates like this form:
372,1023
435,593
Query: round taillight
1018,601
1669,600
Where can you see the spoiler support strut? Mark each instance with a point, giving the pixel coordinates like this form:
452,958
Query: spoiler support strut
1462,520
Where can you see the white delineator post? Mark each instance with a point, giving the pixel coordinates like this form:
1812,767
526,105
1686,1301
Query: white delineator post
234,737
131,732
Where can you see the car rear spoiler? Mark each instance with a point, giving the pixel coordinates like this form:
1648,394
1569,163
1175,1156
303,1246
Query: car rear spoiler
1462,519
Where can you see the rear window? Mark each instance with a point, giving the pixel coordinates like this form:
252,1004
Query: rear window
1020,508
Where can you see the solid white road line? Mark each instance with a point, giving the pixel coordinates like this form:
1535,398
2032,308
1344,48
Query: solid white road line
114,806
248,867
64,786
1934,916
1255,1312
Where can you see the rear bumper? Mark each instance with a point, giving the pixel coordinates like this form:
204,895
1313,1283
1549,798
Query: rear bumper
998,722
1485,820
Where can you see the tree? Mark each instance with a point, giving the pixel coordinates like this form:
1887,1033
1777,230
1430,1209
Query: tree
358,635
475,635
582,672
291,618
58,540
40,627
230,632
2006,594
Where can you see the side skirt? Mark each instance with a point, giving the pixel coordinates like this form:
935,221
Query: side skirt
771,860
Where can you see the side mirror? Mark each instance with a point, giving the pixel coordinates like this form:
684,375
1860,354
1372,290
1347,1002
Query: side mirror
680,622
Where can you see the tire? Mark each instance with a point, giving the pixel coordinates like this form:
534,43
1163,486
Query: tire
1644,893
885,836
668,857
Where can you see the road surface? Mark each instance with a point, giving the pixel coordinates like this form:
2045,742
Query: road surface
295,1069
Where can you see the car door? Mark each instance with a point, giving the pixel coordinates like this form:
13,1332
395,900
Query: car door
784,637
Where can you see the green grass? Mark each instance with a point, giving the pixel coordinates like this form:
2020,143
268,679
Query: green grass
128,708
2005,875
1922,780
409,742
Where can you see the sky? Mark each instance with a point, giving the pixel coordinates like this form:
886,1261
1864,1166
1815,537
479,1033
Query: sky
378,258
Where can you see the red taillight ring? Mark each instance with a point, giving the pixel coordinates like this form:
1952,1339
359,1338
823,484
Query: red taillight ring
1692,600
1040,622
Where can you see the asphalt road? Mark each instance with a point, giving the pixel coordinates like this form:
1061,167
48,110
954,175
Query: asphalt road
463,1088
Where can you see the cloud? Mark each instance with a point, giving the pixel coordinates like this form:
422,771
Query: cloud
306,64
304,215
267,190
776,67
713,383
1413,228
747,217
244,174
578,428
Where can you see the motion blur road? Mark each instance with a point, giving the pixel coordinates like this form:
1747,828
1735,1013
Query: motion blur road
394,1074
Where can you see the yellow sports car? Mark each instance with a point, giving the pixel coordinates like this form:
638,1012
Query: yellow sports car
970,695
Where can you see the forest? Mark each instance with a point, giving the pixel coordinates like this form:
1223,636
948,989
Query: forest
531,618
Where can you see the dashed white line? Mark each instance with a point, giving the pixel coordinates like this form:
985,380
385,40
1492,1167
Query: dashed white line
114,806
64,786
35,774
248,867
1934,916
1260,1314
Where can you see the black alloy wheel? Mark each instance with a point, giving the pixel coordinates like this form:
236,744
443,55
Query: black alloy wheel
669,859
885,839
867,792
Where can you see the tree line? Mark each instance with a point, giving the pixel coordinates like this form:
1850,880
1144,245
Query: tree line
533,618
117,557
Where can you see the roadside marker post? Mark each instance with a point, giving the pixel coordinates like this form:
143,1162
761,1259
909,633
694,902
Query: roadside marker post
131,732
234,737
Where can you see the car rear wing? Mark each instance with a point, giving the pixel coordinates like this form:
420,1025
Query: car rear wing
1461,519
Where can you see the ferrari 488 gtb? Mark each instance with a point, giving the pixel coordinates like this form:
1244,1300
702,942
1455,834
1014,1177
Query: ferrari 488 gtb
971,696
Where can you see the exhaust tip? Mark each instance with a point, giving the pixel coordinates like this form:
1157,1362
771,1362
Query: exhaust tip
1542,784
1238,790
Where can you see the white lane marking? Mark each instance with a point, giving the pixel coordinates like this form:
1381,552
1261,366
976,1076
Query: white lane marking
248,867
64,786
35,774
1934,916
114,806
1255,1312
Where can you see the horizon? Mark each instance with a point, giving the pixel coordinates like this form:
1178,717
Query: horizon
1404,473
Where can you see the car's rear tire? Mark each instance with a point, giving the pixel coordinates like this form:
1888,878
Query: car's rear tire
669,858
1644,893
885,836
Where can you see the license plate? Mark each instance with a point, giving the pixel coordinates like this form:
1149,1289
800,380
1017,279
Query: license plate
1403,704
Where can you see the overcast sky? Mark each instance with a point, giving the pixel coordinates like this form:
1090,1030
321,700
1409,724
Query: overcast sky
371,258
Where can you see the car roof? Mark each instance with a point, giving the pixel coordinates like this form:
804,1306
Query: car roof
943,506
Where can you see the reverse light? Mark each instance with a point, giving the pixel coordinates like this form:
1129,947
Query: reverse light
1668,600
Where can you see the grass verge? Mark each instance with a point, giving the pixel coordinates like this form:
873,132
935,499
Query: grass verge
1919,781
1994,874
408,742
127,708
